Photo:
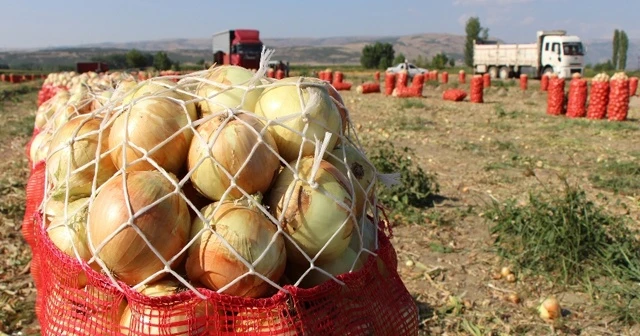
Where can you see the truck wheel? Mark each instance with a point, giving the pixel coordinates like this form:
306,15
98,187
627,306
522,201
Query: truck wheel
493,72
505,72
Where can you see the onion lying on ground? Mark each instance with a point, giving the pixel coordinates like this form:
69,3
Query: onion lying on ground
169,320
64,158
231,148
247,231
161,87
312,215
358,170
283,103
165,225
151,121
222,98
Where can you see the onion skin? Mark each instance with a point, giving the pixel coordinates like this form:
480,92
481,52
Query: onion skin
161,87
363,173
339,102
174,322
232,98
39,147
249,232
166,225
311,217
81,152
368,232
151,121
284,100
231,148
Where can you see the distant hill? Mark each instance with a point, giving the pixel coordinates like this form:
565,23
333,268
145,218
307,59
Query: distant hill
311,51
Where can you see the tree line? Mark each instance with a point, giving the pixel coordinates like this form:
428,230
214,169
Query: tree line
134,58
382,55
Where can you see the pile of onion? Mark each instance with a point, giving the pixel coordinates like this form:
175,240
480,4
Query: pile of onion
239,147
247,231
303,109
317,213
218,97
160,87
163,220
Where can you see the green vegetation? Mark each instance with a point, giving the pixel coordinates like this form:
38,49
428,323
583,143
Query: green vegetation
621,177
474,32
572,240
377,56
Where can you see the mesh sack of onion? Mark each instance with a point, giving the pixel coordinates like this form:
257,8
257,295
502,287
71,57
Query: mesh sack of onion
221,202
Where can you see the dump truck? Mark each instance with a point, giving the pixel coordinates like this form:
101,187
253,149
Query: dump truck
240,47
554,52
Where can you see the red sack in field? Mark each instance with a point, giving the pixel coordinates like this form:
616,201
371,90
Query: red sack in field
555,98
455,95
462,77
272,74
633,86
598,97
338,78
342,86
389,83
544,83
279,74
365,88
444,77
524,82
376,76
487,80
405,92
577,100
401,79
618,107
476,91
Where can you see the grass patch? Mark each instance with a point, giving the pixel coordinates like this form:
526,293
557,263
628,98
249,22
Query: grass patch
502,113
619,177
562,124
409,103
573,241
470,147
404,123
416,188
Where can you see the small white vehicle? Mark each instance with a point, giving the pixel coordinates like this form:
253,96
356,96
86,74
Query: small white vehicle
412,69
554,52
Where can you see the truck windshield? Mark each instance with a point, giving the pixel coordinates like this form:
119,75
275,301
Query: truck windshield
573,49
253,48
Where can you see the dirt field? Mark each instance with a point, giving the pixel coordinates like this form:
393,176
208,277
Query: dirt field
500,150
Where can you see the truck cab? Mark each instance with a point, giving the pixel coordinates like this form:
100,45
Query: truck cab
561,54
241,47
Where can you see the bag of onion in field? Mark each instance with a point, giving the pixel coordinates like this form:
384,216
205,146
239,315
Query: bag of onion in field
598,97
618,106
225,204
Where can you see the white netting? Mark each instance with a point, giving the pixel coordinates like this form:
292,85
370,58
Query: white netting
223,178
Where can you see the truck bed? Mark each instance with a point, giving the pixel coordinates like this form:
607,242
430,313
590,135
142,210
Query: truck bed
506,54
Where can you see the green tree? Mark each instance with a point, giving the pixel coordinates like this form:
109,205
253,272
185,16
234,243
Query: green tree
473,30
616,48
399,59
452,62
622,52
136,59
161,61
439,61
378,55
175,66
421,62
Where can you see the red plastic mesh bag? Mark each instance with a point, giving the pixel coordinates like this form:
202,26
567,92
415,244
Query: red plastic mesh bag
339,77
401,79
598,97
342,86
454,95
342,282
368,88
444,77
476,94
524,82
415,90
633,86
555,98
486,80
462,77
389,83
544,83
618,106
279,74
376,76
576,104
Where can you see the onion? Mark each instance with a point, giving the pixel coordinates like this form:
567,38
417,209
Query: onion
312,215
550,309
248,232
358,170
231,148
340,265
165,225
151,121
257,321
72,163
338,101
68,232
172,319
48,111
218,98
283,104
162,87
39,147
368,232
101,100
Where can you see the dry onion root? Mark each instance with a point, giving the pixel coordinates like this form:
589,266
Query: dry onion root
165,225
312,215
249,233
231,143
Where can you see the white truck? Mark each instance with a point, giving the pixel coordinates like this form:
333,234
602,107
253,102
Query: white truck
553,52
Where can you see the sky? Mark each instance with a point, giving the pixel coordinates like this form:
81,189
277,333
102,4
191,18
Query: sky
45,23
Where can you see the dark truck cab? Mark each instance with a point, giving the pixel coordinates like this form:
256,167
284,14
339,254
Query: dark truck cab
240,47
